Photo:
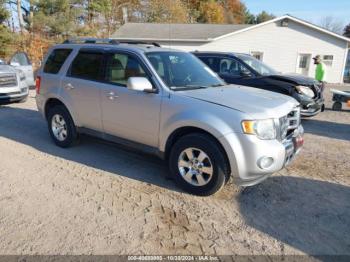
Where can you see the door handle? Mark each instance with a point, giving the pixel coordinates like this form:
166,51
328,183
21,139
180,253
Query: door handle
111,95
69,86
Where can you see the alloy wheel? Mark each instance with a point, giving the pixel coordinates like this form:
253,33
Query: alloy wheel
59,127
195,166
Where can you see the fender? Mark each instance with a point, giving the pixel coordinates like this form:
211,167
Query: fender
67,104
207,122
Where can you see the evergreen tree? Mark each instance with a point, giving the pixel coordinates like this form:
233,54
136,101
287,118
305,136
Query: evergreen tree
263,17
347,31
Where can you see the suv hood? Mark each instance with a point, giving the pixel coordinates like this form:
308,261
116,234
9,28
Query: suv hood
258,103
7,69
294,79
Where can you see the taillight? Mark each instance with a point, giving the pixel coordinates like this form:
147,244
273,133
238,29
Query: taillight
37,84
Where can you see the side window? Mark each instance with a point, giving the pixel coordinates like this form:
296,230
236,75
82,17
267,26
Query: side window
122,66
20,58
55,60
87,65
232,67
211,62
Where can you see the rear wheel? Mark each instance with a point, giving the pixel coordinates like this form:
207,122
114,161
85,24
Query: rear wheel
61,126
337,106
198,164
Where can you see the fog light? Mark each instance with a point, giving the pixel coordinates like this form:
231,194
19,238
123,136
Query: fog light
265,162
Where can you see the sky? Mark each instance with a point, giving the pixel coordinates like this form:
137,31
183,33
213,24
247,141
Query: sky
310,10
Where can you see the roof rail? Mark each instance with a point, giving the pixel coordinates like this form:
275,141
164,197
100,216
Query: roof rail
91,41
138,42
107,41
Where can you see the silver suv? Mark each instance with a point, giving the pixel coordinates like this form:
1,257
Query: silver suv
169,103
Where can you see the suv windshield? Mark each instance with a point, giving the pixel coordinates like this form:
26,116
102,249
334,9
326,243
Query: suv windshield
258,66
181,71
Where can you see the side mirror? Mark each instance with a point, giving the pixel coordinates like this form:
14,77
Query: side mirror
140,84
15,64
246,73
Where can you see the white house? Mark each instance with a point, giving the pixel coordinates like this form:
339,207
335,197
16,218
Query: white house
285,43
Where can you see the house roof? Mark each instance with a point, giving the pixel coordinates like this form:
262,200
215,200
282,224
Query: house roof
292,18
179,32
199,32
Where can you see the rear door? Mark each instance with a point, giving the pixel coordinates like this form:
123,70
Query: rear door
81,86
21,61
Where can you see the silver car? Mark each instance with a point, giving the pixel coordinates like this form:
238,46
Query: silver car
13,85
168,103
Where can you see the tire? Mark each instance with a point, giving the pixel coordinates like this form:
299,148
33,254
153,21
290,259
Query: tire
337,106
182,167
69,136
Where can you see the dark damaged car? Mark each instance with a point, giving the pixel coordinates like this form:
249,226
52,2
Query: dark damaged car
243,69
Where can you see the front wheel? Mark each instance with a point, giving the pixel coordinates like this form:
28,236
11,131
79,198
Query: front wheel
61,126
198,164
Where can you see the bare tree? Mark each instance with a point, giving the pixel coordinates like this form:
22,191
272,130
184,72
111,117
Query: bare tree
332,24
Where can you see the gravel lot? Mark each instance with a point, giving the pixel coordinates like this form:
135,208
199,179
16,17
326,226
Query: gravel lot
97,198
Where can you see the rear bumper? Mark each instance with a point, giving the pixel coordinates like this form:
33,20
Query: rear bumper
40,103
246,151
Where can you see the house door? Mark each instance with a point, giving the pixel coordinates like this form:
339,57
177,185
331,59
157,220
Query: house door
303,64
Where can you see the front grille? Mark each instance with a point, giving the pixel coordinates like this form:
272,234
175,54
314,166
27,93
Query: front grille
8,80
289,123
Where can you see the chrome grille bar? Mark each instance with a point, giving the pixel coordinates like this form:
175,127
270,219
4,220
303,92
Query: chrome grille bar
8,80
289,123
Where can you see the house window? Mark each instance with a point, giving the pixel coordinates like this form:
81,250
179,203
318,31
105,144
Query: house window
258,55
303,61
328,60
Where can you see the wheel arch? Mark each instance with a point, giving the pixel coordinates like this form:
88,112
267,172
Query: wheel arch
54,101
186,130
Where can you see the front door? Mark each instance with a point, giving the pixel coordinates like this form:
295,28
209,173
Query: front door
303,64
129,114
233,72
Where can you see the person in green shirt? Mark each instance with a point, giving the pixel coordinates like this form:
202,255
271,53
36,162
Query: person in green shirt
320,74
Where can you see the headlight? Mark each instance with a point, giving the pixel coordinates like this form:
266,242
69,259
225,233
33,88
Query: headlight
306,91
264,129
22,76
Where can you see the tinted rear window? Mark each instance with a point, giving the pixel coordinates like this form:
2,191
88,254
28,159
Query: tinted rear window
55,60
87,65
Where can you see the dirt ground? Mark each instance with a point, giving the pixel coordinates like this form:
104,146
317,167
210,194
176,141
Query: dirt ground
96,198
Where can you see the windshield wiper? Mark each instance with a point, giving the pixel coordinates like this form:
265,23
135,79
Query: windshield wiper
188,87
217,85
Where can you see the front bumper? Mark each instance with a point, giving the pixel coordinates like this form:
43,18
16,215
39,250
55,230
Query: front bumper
312,107
245,152
15,96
